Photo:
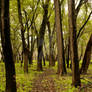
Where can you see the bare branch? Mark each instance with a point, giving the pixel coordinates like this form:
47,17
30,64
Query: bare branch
34,15
84,25
79,6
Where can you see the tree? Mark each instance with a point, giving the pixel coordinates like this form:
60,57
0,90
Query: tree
6,46
41,36
87,56
24,45
68,52
0,16
60,43
73,43
51,57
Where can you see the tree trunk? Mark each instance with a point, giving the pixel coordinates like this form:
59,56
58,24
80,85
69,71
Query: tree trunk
60,43
21,58
32,50
6,46
67,56
44,60
25,62
51,60
73,43
41,36
87,56
24,46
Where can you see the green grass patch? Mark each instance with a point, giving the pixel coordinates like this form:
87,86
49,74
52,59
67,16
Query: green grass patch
24,81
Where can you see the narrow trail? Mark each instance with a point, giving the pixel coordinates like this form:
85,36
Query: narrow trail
44,82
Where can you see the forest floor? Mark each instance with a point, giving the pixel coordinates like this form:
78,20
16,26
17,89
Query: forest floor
49,81
46,80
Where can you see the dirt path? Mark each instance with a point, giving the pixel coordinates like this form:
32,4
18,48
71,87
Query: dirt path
44,82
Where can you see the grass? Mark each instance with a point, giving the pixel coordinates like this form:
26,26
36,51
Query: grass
62,83
24,81
2,77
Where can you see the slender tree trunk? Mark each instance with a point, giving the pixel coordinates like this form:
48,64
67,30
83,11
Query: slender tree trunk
6,46
81,55
73,44
60,43
87,56
28,43
41,36
51,60
32,50
44,60
0,16
46,54
24,46
25,61
21,58
67,56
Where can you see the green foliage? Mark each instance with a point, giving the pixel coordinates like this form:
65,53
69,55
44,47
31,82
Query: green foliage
24,81
2,77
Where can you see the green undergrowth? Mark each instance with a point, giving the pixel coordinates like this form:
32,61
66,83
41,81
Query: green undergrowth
62,83
2,77
24,81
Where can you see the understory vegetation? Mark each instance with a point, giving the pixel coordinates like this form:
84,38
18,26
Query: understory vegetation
61,83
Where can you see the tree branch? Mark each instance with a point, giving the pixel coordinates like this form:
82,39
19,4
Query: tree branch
34,15
79,6
80,30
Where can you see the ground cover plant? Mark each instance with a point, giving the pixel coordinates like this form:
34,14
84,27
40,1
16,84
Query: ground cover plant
46,80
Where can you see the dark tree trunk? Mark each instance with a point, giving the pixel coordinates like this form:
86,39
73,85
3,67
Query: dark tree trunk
81,55
25,61
51,60
87,56
28,44
67,56
73,44
60,43
46,54
24,45
7,48
21,58
0,16
32,50
44,60
41,36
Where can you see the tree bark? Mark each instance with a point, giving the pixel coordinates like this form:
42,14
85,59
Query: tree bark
68,53
32,50
73,43
0,16
51,60
87,56
60,43
24,45
41,36
6,46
